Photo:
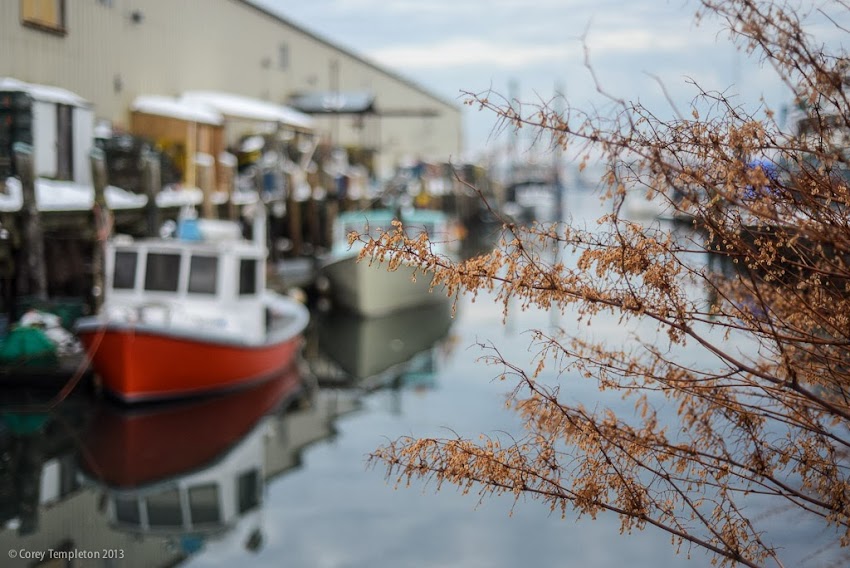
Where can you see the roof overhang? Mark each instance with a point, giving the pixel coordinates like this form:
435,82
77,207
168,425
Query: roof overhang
177,108
328,102
240,107
44,93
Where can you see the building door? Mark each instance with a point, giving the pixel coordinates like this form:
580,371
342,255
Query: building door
64,142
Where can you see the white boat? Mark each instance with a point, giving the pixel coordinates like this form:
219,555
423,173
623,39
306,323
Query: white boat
187,315
367,287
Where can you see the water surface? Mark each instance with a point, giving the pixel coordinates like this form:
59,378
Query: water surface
275,477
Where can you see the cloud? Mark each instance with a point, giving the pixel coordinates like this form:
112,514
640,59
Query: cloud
464,52
461,52
447,8
639,40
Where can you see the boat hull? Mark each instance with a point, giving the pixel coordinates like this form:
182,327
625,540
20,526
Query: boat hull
136,363
371,290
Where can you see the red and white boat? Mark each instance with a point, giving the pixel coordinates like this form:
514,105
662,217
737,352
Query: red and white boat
187,315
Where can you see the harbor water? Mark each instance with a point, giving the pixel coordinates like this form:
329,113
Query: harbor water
279,477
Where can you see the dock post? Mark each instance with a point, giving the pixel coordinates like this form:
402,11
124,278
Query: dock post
293,211
204,163
314,228
102,224
152,183
33,281
331,212
228,165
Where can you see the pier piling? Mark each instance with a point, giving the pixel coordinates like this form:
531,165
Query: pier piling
33,279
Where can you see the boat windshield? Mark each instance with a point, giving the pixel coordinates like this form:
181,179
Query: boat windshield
247,277
124,272
162,273
203,274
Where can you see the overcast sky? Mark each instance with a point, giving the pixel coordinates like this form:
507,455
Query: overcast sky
450,46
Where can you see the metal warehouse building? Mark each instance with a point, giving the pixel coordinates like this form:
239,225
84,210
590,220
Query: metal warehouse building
112,51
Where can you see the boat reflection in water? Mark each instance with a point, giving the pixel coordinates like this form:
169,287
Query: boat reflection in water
160,482
372,353
188,472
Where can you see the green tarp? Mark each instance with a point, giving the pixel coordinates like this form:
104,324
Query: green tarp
27,345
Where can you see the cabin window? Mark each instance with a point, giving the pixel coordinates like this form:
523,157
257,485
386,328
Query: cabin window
127,511
164,509
248,490
203,504
203,274
47,15
162,272
124,274
247,277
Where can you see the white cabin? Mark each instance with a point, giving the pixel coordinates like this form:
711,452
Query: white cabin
62,131
209,282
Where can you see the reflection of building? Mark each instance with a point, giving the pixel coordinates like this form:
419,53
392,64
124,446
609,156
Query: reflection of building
111,51
157,500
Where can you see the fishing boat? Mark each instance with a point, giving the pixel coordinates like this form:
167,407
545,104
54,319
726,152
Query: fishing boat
366,287
190,314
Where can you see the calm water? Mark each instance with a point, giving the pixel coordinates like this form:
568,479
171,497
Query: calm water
290,487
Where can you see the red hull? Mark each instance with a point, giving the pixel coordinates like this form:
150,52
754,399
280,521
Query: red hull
126,448
136,365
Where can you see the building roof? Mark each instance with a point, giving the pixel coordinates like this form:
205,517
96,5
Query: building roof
44,93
